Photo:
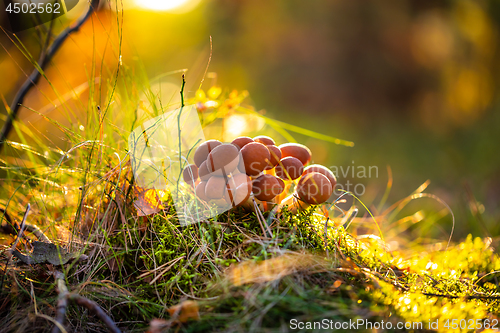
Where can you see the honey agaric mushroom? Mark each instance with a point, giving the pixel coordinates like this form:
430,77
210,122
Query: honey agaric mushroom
238,189
201,153
296,150
241,141
289,168
203,171
190,174
324,171
265,140
275,153
215,187
223,159
200,191
266,187
314,188
255,158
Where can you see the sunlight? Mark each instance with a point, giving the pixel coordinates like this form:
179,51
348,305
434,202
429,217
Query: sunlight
165,5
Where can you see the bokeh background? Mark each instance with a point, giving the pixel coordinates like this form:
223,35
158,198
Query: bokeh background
414,83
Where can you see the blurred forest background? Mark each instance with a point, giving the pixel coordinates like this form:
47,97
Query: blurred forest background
413,83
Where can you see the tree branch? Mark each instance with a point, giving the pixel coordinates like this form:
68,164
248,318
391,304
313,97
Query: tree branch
33,79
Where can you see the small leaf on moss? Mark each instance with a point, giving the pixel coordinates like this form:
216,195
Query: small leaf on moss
185,311
48,253
148,202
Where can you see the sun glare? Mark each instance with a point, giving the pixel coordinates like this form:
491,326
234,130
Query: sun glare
163,5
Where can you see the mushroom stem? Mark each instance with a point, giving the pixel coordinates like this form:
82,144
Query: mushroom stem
293,203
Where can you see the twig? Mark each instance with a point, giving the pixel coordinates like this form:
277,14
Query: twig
182,89
33,79
38,233
97,310
465,296
17,231
63,301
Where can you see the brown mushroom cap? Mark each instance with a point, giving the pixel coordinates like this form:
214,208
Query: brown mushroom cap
201,153
223,159
190,174
255,158
266,187
314,188
289,168
238,189
265,140
275,153
200,191
215,187
322,170
203,171
282,183
296,150
241,141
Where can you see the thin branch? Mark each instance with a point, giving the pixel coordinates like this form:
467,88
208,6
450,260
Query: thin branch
63,301
182,89
23,225
33,79
465,296
97,310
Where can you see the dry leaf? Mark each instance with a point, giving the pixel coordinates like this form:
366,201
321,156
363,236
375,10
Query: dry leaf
148,201
158,326
48,253
185,311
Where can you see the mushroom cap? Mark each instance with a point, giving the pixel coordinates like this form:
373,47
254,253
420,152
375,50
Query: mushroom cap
255,158
266,187
275,153
238,189
324,171
314,188
296,150
265,140
201,153
203,171
200,191
223,159
241,141
289,168
215,187
190,174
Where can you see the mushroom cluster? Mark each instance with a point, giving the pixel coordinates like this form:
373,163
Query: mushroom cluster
229,173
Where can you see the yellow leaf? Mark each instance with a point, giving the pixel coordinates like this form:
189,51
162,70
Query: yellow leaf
214,92
148,201
185,311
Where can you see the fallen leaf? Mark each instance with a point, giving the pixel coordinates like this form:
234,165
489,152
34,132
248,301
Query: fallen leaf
148,201
158,326
185,311
48,253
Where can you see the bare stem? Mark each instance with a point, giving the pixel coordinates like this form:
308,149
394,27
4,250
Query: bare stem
33,79
63,301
